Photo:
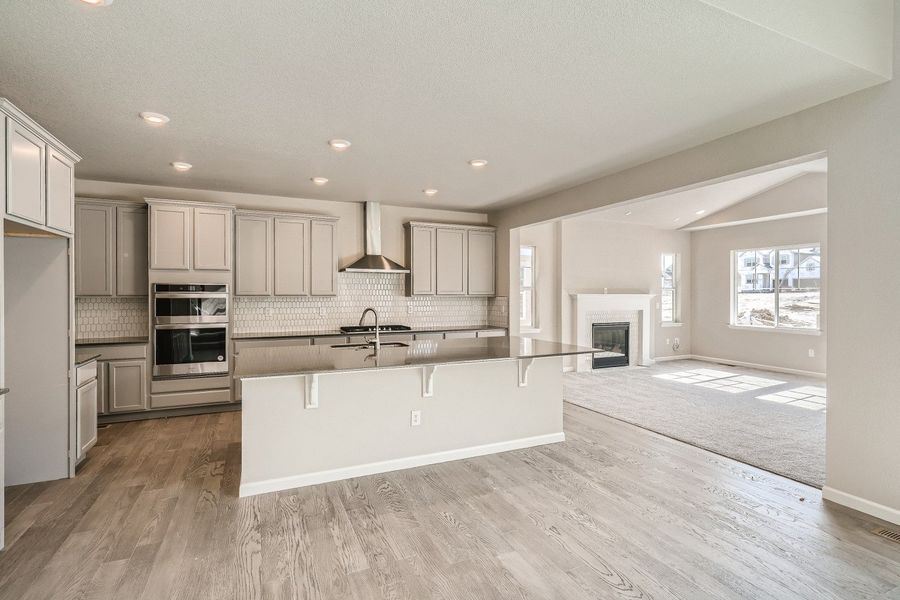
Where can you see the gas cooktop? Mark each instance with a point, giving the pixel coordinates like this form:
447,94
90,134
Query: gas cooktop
371,328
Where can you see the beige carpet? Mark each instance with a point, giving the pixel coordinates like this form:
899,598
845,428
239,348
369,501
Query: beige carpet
770,420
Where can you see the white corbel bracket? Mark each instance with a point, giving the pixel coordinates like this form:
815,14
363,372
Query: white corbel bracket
428,380
312,391
524,365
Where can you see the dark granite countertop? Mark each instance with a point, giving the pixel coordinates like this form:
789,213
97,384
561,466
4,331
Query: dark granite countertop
112,341
321,359
336,332
86,359
4,391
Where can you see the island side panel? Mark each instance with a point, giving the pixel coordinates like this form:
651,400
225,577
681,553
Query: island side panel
362,424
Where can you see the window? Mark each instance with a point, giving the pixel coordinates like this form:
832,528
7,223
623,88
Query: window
784,297
527,302
669,289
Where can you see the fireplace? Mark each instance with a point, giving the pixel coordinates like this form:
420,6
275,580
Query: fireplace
612,339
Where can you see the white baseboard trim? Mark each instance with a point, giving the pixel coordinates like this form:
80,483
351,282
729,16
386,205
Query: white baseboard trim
885,513
749,365
385,466
674,357
568,369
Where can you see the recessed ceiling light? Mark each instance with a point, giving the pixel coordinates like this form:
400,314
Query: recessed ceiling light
319,180
700,212
339,145
182,166
430,192
154,118
627,213
98,2
478,163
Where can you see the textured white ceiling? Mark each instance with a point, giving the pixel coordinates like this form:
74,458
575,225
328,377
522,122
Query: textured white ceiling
552,93
662,211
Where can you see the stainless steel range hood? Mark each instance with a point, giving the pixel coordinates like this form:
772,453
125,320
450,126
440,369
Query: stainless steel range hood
373,261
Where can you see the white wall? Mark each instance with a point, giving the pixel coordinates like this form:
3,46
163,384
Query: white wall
859,134
351,227
711,335
624,259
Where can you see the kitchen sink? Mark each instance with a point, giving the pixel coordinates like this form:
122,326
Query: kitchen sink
371,345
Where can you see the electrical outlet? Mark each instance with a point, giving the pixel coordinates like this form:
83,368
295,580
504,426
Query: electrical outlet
668,342
415,418
812,353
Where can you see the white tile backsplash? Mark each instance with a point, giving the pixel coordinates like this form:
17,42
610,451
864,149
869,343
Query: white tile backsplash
127,317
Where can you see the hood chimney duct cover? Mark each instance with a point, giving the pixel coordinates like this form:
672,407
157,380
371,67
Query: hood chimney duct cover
373,261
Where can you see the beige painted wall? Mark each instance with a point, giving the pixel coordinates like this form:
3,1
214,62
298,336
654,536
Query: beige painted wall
351,226
859,134
545,239
624,259
711,335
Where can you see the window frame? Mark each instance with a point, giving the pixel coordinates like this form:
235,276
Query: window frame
737,282
534,326
675,289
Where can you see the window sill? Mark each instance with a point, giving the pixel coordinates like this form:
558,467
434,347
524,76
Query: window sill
777,329
668,324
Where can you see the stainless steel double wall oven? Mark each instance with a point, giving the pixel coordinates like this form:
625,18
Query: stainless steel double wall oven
190,329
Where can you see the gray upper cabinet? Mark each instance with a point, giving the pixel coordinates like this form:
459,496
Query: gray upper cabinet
420,258
170,237
94,254
131,251
323,258
110,248
37,173
212,239
60,191
481,262
451,261
24,173
291,256
253,250
285,254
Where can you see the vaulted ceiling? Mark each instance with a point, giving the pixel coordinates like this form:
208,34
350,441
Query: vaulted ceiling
551,93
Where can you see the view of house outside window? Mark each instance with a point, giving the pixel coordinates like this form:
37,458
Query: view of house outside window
778,287
527,262
669,289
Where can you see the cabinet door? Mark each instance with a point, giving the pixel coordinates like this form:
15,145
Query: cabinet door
24,173
422,260
60,191
323,258
481,263
212,239
170,237
253,276
131,251
127,389
450,266
291,243
86,410
102,386
94,254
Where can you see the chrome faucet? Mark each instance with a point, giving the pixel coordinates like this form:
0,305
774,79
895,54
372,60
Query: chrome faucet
377,334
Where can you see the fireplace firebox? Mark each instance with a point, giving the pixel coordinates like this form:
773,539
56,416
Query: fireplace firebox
612,339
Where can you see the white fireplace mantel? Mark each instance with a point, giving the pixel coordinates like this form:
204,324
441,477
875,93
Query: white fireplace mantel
586,304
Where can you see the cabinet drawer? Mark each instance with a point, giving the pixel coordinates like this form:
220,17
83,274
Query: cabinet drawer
492,333
194,398
458,335
435,335
85,373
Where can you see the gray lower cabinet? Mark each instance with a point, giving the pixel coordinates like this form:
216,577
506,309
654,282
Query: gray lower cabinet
126,385
86,409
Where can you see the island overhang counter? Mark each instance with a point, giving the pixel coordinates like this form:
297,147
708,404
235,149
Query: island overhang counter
313,414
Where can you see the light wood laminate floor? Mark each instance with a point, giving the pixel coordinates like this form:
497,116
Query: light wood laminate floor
614,512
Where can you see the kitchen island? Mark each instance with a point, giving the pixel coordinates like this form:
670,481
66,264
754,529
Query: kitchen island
313,414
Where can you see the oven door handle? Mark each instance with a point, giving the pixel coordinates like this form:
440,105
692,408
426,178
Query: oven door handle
192,326
191,320
188,296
